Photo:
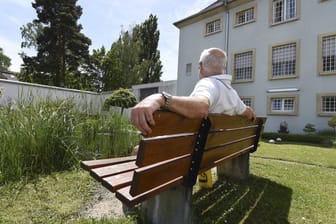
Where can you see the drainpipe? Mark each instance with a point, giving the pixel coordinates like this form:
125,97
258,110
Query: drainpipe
227,24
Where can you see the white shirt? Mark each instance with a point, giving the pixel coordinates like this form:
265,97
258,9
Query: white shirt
222,97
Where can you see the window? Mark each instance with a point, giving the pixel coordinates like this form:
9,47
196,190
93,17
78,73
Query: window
283,105
188,68
326,104
284,10
245,16
243,66
327,54
249,101
213,26
284,59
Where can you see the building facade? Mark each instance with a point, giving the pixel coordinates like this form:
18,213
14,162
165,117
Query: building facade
281,54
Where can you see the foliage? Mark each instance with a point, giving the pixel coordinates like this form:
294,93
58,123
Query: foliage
48,136
309,128
61,47
131,60
311,138
5,61
123,98
332,123
96,68
149,55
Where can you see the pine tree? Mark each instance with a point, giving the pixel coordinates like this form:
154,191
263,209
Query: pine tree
61,47
5,61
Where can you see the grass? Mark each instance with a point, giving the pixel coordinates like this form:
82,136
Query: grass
47,136
288,184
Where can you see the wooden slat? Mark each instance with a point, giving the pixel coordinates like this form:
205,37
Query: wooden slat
167,123
224,151
106,171
223,121
124,195
153,150
92,164
220,137
118,181
152,176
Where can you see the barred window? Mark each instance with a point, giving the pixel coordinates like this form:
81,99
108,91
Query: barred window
213,26
243,66
283,105
329,104
329,53
248,101
245,16
284,61
283,10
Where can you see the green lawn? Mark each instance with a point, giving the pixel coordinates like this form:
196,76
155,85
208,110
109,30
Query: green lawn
288,184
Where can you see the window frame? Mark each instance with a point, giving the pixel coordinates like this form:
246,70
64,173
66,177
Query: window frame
297,59
320,55
233,67
213,21
295,111
319,107
272,17
236,23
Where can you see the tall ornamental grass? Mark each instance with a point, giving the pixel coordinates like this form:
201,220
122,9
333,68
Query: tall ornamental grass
46,136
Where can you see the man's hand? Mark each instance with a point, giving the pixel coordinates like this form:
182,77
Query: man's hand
142,113
249,113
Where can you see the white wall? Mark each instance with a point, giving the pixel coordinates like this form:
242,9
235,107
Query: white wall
13,91
316,17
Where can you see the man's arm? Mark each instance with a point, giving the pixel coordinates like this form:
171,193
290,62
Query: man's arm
142,113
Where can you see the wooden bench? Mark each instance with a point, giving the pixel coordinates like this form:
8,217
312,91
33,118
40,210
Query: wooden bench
171,157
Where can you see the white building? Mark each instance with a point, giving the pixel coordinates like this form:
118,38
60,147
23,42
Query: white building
281,53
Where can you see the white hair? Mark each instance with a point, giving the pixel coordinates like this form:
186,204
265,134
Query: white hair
213,58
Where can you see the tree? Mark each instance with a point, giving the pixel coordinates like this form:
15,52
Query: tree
149,56
332,123
61,47
123,98
5,62
122,63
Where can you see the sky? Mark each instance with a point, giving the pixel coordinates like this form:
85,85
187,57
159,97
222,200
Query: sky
102,22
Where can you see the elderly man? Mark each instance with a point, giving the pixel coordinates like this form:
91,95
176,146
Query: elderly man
213,93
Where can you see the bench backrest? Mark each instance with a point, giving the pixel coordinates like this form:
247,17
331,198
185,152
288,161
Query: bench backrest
179,148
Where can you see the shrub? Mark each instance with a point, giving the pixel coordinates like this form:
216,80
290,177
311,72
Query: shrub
309,128
123,98
303,138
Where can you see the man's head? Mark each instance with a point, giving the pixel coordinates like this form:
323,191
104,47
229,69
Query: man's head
212,62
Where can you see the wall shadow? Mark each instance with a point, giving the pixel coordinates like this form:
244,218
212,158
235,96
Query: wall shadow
255,200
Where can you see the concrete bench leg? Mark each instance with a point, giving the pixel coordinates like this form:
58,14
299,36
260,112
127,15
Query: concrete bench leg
170,207
238,168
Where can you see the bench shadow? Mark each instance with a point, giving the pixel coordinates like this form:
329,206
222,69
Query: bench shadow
255,200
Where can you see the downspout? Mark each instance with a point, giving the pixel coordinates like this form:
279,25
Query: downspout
226,47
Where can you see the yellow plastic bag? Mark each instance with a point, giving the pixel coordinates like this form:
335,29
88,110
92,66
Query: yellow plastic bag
205,179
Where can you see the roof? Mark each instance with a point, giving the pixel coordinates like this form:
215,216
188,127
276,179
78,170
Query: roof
212,9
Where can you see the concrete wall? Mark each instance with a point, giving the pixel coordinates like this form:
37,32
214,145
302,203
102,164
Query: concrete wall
13,91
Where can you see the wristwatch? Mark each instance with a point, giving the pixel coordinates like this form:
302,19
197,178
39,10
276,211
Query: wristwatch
167,97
